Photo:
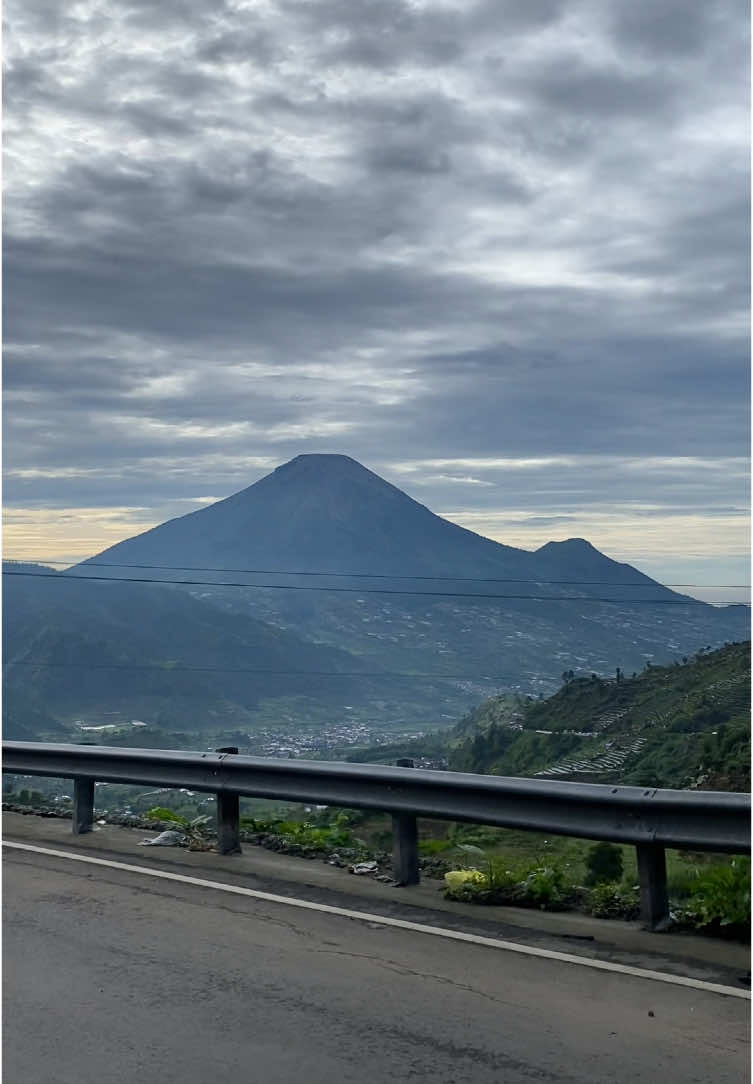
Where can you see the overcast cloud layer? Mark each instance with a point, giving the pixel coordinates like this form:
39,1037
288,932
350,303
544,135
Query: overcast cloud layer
498,252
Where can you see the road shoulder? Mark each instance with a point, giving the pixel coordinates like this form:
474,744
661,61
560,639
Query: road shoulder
696,957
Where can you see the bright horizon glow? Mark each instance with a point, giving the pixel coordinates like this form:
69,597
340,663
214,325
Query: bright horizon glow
656,545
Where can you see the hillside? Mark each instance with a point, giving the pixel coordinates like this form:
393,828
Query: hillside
111,649
682,725
685,725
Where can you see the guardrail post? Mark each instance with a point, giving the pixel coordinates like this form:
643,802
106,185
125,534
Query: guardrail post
652,877
228,816
405,843
83,805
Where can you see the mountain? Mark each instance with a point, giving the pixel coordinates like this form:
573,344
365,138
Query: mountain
327,513
321,513
432,598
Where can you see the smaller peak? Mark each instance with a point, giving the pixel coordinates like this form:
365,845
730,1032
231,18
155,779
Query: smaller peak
571,544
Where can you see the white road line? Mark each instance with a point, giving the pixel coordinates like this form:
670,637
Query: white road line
398,923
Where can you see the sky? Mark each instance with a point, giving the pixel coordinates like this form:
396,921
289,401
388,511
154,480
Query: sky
497,251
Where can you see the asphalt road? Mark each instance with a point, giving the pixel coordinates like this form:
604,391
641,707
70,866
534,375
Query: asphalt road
112,977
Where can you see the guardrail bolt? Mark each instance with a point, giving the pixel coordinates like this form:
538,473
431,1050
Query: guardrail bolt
83,805
652,876
228,816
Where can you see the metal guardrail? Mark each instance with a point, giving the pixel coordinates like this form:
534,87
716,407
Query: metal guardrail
647,818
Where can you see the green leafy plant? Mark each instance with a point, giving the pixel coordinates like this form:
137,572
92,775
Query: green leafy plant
320,838
719,895
612,900
547,887
506,881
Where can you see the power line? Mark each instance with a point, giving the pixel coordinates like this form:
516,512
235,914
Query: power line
360,590
372,575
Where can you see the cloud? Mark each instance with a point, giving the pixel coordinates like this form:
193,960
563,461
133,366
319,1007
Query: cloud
427,234
672,27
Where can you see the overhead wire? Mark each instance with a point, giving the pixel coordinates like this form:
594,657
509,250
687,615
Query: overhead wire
353,590
356,590
368,575
62,578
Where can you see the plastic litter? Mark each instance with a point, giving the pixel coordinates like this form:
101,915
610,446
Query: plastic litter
165,839
364,867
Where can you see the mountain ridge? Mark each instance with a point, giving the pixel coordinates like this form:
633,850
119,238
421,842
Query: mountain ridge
328,513
320,513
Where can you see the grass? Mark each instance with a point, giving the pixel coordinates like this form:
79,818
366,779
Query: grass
514,848
710,894
517,849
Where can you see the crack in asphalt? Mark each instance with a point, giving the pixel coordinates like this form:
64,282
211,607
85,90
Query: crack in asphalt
391,965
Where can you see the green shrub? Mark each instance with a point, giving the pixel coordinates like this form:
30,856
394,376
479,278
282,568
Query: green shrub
504,882
312,837
719,895
612,900
546,886
603,863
